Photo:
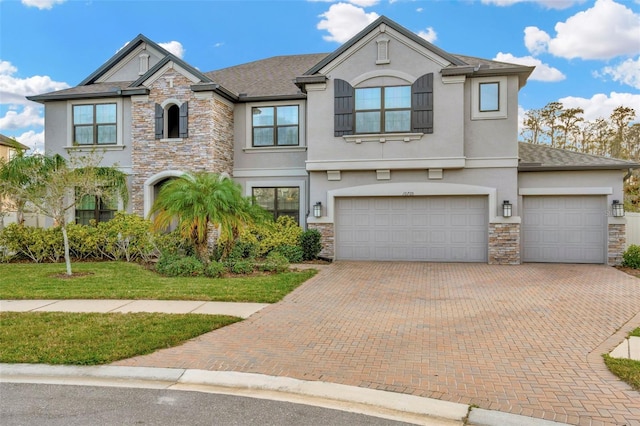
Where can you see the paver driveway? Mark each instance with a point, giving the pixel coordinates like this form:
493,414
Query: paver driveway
521,339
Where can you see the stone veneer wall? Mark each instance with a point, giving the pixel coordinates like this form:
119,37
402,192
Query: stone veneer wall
209,146
504,244
617,242
326,231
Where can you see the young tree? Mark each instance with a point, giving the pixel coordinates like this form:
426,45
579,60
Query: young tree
199,200
51,185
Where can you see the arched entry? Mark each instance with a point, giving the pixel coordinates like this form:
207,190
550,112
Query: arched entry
153,184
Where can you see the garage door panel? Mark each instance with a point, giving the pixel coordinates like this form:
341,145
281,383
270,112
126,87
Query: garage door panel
413,228
564,229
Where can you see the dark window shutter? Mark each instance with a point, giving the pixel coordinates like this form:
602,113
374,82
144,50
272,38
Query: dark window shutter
422,104
159,121
184,120
344,103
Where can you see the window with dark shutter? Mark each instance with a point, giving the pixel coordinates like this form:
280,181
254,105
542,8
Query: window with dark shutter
343,108
159,121
422,104
184,120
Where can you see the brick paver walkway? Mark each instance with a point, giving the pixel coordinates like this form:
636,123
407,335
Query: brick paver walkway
521,339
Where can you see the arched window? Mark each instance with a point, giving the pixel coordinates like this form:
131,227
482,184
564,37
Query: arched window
171,121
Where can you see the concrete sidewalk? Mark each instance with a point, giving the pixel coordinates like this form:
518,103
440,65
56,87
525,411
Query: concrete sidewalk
242,310
629,349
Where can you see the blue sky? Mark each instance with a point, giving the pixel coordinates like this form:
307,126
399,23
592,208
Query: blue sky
587,52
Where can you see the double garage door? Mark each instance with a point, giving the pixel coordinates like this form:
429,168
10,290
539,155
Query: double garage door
439,229
564,229
555,229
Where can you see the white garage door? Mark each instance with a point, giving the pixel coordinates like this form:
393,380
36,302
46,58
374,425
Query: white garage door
439,229
564,229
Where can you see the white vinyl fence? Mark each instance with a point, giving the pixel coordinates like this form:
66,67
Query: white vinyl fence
633,228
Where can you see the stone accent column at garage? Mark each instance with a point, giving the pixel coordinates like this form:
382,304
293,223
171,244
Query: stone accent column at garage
617,242
504,243
327,238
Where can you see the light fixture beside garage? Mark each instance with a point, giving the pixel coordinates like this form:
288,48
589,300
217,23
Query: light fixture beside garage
507,208
317,209
617,209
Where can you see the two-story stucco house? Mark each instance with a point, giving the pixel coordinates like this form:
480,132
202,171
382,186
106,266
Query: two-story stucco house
393,148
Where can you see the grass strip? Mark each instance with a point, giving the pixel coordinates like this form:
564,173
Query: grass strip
122,280
628,370
91,339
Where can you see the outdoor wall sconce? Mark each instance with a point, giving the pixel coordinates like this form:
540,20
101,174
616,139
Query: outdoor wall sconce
617,209
317,209
507,208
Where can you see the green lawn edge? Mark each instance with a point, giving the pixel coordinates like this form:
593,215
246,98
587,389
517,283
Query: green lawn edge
627,370
122,280
96,338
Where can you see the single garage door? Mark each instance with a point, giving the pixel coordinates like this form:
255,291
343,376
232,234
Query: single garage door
438,229
564,229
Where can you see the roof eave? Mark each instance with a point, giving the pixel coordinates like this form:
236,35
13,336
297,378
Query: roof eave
296,97
216,88
578,168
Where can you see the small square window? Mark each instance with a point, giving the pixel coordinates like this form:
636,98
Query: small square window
489,97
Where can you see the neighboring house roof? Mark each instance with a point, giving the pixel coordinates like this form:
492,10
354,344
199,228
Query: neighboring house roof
12,143
535,157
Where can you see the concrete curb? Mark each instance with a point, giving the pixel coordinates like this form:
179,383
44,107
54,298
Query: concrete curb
409,408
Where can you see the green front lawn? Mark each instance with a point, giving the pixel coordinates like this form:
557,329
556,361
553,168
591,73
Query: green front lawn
121,280
89,339
627,370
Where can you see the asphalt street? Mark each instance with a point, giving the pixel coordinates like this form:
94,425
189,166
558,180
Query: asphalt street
44,404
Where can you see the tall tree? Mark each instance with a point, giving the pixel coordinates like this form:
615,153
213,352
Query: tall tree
620,119
199,200
532,130
550,120
51,185
569,127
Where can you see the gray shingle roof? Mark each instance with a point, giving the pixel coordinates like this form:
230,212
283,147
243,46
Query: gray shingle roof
544,158
89,90
271,77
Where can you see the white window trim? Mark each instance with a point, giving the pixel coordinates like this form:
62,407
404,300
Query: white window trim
501,113
302,143
119,127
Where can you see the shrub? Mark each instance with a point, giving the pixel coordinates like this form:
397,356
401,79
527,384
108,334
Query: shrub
241,267
275,262
631,257
243,250
215,269
126,237
293,254
179,266
310,243
173,243
83,241
284,232
35,244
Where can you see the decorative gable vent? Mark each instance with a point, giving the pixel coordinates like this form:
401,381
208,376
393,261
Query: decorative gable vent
383,51
144,63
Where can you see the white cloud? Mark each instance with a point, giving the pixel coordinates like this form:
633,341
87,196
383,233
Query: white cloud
627,72
14,89
219,44
601,105
606,30
536,40
343,21
174,47
42,4
420,10
35,141
364,3
429,34
28,117
549,4
543,72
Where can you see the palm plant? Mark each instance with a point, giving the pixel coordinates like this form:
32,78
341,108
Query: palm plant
199,200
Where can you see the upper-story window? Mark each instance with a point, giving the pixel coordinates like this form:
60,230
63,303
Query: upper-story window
390,109
383,109
94,124
275,126
172,121
489,97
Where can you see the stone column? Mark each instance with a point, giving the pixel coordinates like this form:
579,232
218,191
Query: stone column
327,238
616,244
504,243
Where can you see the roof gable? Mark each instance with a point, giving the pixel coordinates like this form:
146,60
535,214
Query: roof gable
184,68
378,26
121,55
